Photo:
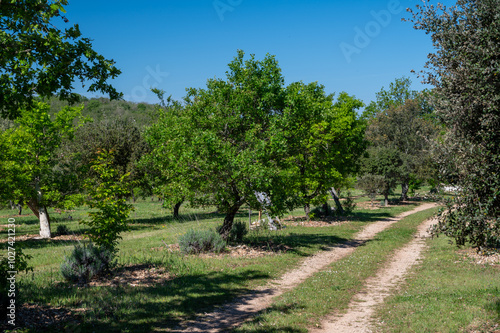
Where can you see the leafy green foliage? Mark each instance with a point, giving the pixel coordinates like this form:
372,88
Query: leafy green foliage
39,59
198,241
398,93
85,263
215,146
238,231
318,142
32,166
466,74
386,163
404,121
107,192
371,185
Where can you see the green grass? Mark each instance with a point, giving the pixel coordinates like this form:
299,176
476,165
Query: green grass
198,284
331,290
448,292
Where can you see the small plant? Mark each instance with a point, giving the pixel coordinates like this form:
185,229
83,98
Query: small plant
107,192
238,231
349,205
62,230
197,241
86,262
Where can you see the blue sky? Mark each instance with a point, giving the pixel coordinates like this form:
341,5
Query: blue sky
352,46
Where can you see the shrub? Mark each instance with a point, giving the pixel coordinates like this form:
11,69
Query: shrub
238,231
197,241
107,192
349,205
86,262
62,230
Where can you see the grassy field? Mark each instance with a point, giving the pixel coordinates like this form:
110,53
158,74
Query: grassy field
195,284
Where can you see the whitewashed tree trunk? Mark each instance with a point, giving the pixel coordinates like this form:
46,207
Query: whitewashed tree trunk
44,223
43,215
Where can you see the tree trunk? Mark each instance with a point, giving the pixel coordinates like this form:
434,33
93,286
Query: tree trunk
404,191
335,197
176,209
386,199
44,223
20,208
307,210
326,209
228,221
34,207
43,214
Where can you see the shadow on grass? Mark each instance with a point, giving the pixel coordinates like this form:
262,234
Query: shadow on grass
144,309
188,217
293,242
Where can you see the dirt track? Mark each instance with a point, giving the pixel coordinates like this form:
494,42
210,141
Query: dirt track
243,308
358,317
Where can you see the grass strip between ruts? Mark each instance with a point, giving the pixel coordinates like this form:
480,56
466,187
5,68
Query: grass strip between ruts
332,289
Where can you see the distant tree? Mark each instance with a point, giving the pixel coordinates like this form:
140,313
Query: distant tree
122,137
408,129
384,162
320,141
217,144
399,91
371,185
33,170
465,72
38,59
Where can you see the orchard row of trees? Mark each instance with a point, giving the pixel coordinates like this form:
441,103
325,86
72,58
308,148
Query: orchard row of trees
249,133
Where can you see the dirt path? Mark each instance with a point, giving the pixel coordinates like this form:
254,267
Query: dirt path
243,308
360,312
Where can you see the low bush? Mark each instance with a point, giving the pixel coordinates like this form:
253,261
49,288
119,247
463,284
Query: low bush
349,205
86,262
197,241
239,230
62,230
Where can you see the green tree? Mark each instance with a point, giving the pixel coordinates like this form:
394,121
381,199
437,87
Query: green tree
107,192
384,162
217,144
121,136
161,174
31,163
410,130
465,72
399,91
39,59
320,141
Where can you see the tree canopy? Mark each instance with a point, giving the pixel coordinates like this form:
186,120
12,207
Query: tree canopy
39,59
321,141
465,71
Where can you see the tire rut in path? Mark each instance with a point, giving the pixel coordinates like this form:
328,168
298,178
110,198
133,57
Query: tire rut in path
359,316
243,308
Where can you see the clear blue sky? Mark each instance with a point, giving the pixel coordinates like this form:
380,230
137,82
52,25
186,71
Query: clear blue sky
352,46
